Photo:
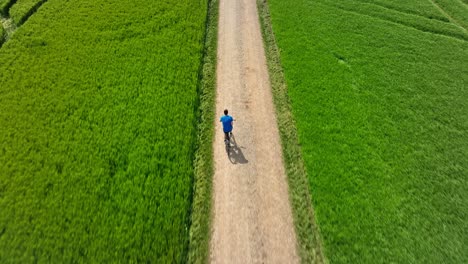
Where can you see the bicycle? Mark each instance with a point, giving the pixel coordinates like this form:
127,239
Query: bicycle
227,140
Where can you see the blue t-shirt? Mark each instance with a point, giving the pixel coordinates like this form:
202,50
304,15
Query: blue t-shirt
227,123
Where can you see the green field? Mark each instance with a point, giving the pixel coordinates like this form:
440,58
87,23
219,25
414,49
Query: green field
378,92
2,34
4,5
98,119
422,8
22,9
456,10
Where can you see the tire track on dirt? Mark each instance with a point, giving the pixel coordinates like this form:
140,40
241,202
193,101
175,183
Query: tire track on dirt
252,218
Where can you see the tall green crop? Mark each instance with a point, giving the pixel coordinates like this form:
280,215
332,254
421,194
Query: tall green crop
456,10
4,4
2,34
22,9
380,100
97,131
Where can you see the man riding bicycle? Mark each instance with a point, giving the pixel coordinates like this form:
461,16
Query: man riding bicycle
227,125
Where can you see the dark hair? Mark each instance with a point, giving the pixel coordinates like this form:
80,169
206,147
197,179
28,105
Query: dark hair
225,111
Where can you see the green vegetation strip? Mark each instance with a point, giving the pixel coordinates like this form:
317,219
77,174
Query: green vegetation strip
98,106
422,8
424,24
309,243
457,11
5,6
2,34
23,9
382,117
201,206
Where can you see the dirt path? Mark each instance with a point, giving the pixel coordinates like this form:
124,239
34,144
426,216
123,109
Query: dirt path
252,215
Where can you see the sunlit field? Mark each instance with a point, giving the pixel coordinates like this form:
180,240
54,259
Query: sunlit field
378,91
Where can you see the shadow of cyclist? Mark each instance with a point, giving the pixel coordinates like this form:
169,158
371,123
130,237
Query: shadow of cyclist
235,152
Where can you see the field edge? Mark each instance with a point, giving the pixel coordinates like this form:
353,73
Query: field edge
308,234
199,234
2,34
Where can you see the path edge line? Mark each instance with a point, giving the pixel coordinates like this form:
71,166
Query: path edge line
308,234
201,215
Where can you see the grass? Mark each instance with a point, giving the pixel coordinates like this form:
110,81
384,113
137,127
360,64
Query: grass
2,34
4,6
97,139
201,207
421,8
456,10
406,19
23,9
309,243
380,105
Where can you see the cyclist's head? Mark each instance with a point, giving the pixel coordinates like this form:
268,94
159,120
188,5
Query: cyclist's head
225,111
